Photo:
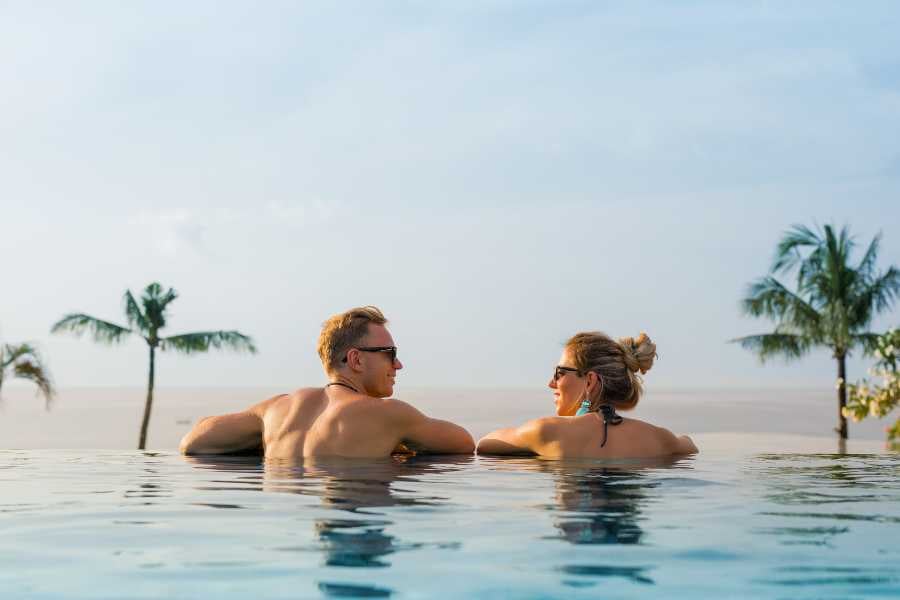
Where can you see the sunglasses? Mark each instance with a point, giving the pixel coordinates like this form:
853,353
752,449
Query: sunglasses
391,351
560,371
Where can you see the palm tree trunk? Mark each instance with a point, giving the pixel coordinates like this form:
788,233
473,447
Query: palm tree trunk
142,442
842,395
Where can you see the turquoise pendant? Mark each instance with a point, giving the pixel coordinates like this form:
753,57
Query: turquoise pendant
584,409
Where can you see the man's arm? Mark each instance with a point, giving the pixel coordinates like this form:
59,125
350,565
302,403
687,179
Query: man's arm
227,433
431,435
526,439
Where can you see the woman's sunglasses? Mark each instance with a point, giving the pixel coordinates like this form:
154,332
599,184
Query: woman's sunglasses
391,351
560,371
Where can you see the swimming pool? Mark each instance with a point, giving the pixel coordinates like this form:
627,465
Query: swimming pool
113,524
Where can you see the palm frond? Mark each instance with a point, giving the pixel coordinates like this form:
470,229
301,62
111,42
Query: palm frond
787,253
33,371
867,264
868,341
870,298
768,297
170,295
102,331
768,345
26,364
133,312
810,268
155,301
11,353
202,341
885,289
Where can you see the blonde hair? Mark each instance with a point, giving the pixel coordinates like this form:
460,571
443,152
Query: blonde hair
617,363
342,332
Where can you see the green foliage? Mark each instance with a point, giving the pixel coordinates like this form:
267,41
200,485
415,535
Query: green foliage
155,301
204,340
135,317
24,362
147,319
102,331
833,303
869,399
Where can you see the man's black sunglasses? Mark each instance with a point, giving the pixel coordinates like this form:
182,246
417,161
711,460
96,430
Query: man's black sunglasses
560,371
391,351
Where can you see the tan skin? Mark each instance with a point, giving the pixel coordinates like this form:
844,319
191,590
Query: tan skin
335,420
568,436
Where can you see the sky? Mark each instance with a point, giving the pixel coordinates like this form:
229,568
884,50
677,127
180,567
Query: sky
496,176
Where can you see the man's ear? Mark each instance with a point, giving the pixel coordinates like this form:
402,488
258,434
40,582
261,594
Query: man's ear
353,360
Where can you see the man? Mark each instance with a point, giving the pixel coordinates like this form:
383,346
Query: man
352,416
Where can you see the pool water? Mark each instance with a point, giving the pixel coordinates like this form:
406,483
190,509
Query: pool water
113,524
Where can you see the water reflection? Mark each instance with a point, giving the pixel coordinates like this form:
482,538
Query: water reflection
806,490
152,483
357,488
347,590
358,535
819,501
601,504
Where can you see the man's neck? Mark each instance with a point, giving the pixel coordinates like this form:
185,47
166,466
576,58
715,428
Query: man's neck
346,382
341,384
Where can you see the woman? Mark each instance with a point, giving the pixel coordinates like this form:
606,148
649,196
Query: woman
596,377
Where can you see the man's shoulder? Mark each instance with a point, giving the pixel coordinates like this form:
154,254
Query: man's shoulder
306,392
282,401
388,408
388,405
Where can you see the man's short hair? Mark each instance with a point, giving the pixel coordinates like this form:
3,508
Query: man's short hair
342,332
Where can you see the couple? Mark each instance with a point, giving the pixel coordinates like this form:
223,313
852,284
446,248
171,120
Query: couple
354,416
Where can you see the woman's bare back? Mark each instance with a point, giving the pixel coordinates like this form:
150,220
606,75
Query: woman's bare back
582,436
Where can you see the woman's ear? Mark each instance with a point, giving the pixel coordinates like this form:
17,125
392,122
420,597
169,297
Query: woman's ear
594,384
591,383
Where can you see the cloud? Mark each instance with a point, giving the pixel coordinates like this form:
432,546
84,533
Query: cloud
170,232
173,232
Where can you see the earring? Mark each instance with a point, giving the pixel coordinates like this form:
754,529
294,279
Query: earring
585,407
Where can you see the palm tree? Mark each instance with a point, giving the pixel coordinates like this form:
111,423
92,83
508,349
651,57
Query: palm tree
147,324
832,306
24,362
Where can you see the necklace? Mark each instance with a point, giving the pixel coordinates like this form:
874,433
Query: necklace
342,384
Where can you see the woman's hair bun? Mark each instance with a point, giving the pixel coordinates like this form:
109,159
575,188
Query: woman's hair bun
639,352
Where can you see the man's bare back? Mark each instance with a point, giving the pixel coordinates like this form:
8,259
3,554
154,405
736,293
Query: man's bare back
326,422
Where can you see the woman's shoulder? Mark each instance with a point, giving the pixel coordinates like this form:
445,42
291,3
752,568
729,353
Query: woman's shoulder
543,427
676,444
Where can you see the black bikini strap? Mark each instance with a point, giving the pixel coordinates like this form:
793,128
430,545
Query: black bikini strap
610,417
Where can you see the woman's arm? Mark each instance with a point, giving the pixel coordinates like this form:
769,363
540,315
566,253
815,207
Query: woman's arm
526,439
686,445
677,444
